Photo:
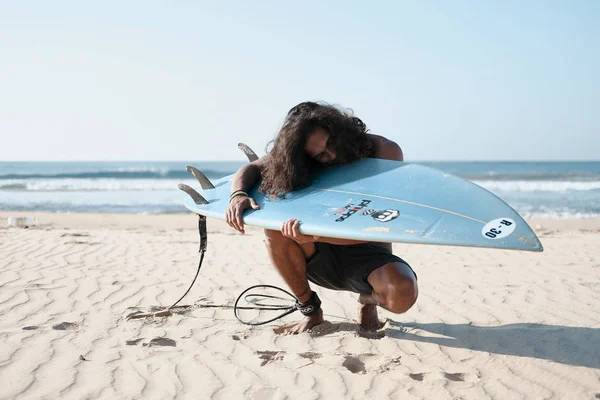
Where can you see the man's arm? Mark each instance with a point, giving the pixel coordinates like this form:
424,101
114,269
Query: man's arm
246,177
243,181
387,149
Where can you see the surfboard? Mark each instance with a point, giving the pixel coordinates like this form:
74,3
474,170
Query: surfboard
383,201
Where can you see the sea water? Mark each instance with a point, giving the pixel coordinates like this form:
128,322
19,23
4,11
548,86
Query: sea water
534,189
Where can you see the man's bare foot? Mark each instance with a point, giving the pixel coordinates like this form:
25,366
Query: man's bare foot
305,324
367,313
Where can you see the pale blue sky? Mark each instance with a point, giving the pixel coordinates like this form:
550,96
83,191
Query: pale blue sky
188,80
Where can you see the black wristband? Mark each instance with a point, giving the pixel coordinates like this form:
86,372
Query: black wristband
311,307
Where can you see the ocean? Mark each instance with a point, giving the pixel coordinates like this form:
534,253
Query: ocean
535,189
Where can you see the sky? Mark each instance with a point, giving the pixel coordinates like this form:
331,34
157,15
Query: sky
188,80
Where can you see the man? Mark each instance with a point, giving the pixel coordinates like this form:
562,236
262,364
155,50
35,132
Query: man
313,137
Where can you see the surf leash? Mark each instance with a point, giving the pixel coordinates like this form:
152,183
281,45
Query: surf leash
257,305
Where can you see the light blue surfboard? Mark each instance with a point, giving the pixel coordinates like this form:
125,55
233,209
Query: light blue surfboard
386,201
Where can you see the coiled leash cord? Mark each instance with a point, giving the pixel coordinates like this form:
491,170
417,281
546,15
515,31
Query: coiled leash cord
311,307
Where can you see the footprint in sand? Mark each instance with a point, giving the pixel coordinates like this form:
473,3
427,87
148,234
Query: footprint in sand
454,377
354,365
65,326
30,328
366,363
310,355
270,356
160,342
417,377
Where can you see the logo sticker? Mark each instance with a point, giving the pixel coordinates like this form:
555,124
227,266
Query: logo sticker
498,228
383,215
344,209
350,209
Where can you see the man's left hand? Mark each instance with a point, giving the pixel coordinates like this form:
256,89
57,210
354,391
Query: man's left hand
290,229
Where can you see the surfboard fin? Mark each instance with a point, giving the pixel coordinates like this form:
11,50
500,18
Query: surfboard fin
198,199
248,152
202,179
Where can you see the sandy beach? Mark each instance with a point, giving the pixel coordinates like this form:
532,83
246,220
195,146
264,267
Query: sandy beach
489,324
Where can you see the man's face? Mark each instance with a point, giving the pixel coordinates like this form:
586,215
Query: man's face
318,146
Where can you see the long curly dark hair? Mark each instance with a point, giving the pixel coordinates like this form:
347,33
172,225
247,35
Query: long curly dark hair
287,167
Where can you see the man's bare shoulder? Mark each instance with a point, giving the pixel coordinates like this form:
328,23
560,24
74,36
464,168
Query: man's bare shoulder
386,148
260,163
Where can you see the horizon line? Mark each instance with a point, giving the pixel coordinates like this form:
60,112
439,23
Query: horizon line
246,161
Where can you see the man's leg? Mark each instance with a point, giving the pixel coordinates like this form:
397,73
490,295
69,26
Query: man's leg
289,258
394,288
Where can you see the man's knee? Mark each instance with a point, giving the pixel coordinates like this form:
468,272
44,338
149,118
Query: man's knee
402,295
395,286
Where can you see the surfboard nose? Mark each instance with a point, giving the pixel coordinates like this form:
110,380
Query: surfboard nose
537,245
527,239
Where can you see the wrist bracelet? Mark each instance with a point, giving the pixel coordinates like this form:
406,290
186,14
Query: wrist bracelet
237,193
311,307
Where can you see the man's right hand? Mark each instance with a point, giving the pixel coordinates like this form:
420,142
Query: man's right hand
235,210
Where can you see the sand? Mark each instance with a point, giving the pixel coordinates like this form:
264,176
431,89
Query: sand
488,323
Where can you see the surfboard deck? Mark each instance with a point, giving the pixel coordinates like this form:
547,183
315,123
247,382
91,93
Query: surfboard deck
386,201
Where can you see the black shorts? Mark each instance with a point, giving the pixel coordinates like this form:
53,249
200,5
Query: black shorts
347,267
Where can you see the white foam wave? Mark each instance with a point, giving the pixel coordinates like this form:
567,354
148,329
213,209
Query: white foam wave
92,185
538,186
559,215
160,171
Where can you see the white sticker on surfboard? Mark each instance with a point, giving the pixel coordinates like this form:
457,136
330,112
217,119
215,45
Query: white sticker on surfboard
498,228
